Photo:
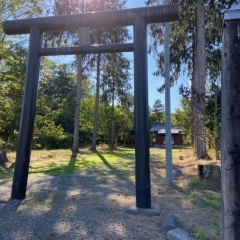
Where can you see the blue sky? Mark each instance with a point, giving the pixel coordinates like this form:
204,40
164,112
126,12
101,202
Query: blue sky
155,82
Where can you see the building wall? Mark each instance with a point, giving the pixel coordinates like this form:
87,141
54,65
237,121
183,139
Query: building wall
178,139
159,139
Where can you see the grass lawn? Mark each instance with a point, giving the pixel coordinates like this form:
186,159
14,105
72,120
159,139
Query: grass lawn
55,162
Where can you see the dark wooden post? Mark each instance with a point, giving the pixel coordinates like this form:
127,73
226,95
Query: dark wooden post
142,164
230,137
20,178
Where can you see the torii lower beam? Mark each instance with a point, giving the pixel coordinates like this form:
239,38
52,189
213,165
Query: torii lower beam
106,48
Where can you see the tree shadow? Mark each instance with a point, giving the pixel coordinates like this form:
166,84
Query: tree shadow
104,160
122,154
68,199
9,207
71,164
62,206
113,170
68,168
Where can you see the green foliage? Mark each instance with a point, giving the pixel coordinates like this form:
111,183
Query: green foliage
39,201
213,116
123,121
16,9
12,77
199,234
212,200
59,84
56,97
156,114
99,35
48,136
198,184
182,119
55,106
87,114
122,118
182,40
115,78
105,120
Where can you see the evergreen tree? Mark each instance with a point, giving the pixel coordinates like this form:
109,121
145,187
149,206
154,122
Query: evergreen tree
182,119
115,82
213,118
185,53
157,112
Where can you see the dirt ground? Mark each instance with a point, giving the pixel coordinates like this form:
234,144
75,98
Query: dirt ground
194,202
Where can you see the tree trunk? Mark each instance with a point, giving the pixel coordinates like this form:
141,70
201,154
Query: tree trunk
3,158
116,140
96,114
124,140
112,122
216,133
201,80
77,110
193,97
109,140
230,132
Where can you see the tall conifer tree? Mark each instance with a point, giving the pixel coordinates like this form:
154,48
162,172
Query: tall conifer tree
187,57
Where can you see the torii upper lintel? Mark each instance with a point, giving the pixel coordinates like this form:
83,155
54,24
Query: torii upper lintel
116,18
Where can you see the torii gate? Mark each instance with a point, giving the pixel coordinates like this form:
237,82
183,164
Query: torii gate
139,18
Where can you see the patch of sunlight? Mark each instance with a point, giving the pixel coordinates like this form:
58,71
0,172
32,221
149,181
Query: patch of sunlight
117,228
73,193
121,199
39,200
36,210
62,227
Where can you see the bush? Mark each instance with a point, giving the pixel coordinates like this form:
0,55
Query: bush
48,137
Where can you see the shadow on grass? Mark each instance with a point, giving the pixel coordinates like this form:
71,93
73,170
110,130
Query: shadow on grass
73,165
6,173
104,160
118,173
121,153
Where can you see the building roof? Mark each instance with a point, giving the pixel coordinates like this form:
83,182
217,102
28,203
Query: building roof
160,128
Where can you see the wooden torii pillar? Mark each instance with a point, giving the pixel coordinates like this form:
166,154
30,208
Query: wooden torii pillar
230,119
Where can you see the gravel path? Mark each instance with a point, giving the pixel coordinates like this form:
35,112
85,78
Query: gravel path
82,205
